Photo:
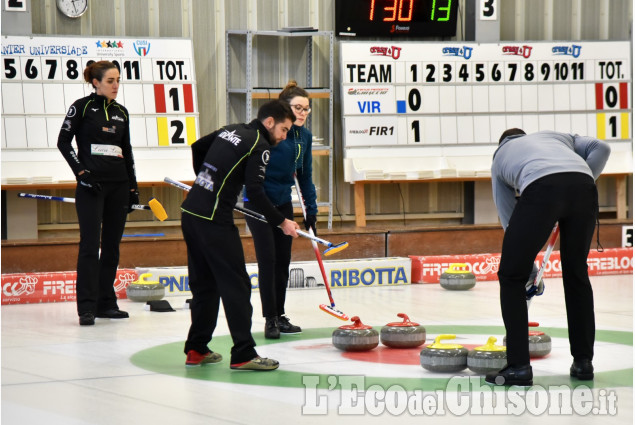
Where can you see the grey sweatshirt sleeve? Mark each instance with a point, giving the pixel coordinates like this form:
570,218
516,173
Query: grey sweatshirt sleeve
595,152
505,200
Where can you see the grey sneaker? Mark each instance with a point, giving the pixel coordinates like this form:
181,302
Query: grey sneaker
194,358
257,363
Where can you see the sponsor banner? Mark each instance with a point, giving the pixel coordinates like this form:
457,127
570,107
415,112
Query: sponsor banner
305,274
28,288
428,269
382,131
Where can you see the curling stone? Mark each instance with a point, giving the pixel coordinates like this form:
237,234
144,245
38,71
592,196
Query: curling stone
438,357
539,342
487,358
405,334
355,337
457,278
143,290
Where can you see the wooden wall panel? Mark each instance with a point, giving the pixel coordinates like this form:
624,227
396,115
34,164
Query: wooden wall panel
61,255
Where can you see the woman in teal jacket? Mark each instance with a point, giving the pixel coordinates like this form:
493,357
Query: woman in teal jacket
273,248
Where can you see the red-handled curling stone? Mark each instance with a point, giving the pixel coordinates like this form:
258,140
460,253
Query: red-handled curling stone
438,357
487,358
355,337
457,278
144,290
539,342
404,334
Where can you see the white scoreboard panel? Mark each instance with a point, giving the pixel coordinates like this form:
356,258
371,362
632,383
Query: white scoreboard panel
409,100
43,76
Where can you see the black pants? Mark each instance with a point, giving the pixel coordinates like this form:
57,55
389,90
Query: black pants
571,200
273,251
216,268
102,218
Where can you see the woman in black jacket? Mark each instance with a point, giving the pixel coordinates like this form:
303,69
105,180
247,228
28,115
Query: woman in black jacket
106,188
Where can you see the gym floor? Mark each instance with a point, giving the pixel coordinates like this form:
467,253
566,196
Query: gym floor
132,371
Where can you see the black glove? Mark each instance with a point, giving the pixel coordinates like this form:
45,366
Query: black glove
86,180
133,199
309,223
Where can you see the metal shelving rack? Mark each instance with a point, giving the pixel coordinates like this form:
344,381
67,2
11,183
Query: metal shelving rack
248,93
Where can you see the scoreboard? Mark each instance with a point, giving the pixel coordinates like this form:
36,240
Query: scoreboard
409,101
43,76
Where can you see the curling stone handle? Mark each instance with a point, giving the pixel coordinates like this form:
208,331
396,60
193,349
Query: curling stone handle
534,324
438,339
458,267
143,277
404,316
491,341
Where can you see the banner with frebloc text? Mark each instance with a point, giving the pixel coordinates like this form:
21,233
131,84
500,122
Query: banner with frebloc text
28,288
33,288
428,269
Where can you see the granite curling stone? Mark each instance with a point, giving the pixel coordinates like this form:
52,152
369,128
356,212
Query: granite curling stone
457,278
405,334
539,342
355,337
438,357
144,290
487,358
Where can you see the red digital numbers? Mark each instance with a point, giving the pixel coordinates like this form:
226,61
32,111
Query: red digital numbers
394,12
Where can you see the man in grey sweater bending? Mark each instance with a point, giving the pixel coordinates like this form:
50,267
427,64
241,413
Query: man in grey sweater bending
554,175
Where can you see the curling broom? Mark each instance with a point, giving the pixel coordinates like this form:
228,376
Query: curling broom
326,308
535,287
153,205
332,248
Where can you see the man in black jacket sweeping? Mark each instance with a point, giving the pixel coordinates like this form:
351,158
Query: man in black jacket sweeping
224,161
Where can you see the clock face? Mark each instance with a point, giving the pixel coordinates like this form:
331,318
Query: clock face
72,8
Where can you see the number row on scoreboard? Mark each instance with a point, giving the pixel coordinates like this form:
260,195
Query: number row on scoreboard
475,72
56,98
485,129
358,100
71,69
42,132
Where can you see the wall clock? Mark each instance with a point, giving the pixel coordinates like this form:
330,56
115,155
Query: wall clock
72,8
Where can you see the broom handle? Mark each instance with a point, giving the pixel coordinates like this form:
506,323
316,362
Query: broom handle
545,258
315,247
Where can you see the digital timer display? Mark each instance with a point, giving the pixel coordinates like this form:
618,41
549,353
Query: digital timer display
395,18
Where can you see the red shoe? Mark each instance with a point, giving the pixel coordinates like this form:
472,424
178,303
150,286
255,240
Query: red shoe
194,358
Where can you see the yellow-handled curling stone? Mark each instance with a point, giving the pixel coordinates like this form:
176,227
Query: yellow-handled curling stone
487,358
144,290
404,334
439,357
457,278
355,337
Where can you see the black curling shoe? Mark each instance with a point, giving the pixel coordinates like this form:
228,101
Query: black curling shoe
522,376
272,329
113,314
582,369
286,327
86,319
